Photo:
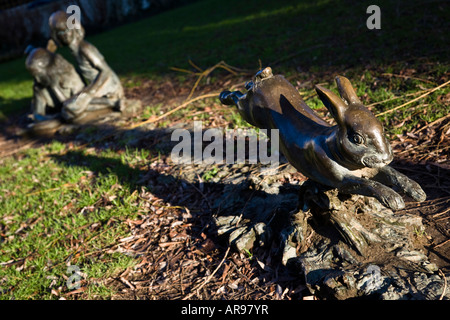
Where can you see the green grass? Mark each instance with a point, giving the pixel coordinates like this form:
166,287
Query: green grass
14,97
55,213
210,174
58,208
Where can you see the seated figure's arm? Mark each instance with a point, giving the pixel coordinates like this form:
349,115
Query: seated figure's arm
79,102
97,61
41,99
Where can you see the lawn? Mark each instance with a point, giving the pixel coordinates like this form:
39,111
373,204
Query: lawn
71,202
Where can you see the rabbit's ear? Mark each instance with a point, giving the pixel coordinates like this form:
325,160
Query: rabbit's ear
346,90
334,104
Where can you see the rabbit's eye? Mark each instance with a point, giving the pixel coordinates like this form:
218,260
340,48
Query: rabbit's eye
357,139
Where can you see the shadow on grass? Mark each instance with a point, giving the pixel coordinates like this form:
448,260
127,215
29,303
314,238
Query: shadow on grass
13,107
200,202
163,185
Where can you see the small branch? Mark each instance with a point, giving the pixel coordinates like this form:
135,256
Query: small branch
210,276
26,145
396,97
152,120
184,70
195,66
204,73
441,244
433,123
445,284
414,100
406,77
66,185
435,215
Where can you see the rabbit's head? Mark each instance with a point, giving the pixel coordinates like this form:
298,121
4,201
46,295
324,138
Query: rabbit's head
361,141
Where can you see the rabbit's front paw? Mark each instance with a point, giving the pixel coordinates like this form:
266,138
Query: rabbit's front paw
392,200
407,185
414,190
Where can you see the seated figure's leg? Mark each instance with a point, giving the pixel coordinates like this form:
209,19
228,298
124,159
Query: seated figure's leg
97,107
73,109
103,103
107,85
105,95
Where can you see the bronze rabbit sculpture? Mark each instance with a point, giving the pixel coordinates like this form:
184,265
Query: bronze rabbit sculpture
352,156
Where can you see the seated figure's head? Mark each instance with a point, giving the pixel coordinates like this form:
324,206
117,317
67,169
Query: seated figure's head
49,69
38,63
60,32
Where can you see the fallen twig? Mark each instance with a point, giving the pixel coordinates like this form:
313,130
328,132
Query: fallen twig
414,100
210,276
433,123
441,244
66,185
397,97
152,120
204,73
406,77
440,213
26,145
195,66
445,284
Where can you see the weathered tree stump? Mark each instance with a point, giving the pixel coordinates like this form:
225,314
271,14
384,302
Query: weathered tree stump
345,246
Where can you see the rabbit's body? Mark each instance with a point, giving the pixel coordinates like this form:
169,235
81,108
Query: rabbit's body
344,156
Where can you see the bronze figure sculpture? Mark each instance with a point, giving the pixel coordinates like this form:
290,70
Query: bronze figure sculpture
352,156
104,90
55,81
